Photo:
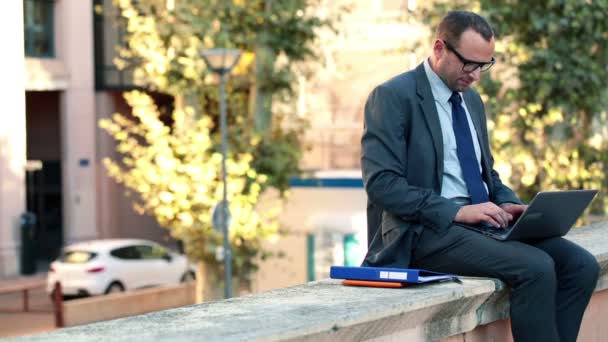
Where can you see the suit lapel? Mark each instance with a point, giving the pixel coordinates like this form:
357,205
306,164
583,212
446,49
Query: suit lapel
427,102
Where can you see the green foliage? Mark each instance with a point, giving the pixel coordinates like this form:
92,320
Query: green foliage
549,112
546,96
163,45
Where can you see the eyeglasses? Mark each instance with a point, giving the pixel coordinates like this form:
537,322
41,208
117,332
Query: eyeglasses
468,65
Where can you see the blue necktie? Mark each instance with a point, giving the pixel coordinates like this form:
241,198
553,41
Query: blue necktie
466,152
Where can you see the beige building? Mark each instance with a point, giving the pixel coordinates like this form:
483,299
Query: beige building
60,81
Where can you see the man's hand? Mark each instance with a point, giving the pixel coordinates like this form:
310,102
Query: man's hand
514,209
486,212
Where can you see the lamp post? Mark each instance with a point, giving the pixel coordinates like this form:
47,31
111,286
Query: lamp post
221,62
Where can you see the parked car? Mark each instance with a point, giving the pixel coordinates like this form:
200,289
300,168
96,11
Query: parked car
115,265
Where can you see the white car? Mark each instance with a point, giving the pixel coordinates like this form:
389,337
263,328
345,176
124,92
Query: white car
115,265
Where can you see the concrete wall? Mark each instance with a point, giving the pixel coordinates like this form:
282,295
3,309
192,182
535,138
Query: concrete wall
87,310
476,310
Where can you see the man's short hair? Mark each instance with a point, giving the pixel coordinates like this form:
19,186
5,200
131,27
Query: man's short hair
455,23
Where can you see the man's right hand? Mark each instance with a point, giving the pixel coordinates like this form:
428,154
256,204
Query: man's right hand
484,212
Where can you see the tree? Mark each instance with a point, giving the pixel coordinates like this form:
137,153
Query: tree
546,96
163,42
173,170
549,114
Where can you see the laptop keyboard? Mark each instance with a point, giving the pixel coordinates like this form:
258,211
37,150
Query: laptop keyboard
493,230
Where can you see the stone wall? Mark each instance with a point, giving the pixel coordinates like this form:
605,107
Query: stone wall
475,310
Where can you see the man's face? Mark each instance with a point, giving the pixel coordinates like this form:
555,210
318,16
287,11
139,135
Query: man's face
471,47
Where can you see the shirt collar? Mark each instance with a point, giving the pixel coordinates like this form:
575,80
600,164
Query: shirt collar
441,92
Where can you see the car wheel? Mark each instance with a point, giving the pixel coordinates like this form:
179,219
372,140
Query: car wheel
188,276
115,287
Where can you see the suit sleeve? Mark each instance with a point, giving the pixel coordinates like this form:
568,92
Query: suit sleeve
384,164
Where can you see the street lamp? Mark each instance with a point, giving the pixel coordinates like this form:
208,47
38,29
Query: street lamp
221,62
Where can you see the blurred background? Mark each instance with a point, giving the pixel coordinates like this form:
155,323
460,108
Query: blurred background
111,122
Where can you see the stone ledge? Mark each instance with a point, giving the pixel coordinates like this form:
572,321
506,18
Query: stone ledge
327,311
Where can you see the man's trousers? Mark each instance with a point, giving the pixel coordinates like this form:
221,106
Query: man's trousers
551,280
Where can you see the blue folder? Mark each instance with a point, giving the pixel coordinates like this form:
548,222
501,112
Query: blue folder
385,274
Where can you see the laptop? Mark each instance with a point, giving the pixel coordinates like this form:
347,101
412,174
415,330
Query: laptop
550,214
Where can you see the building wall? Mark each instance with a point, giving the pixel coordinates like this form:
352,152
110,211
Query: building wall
375,41
68,75
12,135
75,46
312,210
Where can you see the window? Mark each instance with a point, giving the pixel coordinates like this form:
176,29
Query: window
126,253
39,32
152,252
77,257
109,33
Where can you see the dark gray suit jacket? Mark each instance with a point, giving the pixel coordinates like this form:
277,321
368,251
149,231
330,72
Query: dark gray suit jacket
402,164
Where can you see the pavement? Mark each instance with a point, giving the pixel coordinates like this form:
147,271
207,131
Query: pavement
13,320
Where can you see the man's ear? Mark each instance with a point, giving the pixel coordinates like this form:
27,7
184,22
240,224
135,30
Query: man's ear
438,49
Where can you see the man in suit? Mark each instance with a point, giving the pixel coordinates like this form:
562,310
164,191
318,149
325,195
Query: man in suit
427,167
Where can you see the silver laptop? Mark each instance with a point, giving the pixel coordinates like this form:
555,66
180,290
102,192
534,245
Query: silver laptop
550,214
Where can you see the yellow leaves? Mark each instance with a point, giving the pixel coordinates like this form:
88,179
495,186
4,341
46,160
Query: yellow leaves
216,158
245,63
217,25
554,116
176,174
251,173
143,188
529,170
120,136
186,219
501,133
179,187
129,13
596,141
166,197
262,178
150,175
503,169
534,107
165,163
105,123
523,112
